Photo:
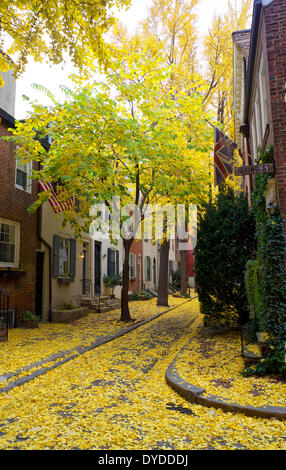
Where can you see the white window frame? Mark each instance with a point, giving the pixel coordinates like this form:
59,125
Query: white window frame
258,119
132,266
15,263
148,277
263,103
28,188
254,140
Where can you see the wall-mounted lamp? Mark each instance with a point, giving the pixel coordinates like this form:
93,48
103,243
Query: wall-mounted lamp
81,255
271,209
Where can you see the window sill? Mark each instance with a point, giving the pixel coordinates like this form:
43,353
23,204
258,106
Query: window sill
12,273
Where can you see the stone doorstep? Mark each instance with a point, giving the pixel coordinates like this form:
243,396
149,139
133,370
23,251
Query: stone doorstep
195,394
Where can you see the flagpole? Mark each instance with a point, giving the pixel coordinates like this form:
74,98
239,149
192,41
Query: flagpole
210,124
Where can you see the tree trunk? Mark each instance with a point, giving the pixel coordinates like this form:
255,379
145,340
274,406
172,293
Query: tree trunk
125,314
163,282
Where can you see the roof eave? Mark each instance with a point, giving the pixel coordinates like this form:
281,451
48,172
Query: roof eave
257,8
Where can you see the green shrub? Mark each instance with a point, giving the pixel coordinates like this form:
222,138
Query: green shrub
28,316
225,242
142,295
251,285
113,280
272,279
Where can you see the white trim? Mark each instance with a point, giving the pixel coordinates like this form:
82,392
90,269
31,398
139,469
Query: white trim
132,264
258,118
262,88
15,264
254,140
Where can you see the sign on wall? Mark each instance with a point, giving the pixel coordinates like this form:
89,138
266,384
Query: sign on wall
254,169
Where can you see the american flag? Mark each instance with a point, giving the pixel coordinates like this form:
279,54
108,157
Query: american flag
54,198
223,155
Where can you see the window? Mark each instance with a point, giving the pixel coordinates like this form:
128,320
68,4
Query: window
112,262
23,176
132,266
254,142
258,119
64,257
9,243
263,102
147,268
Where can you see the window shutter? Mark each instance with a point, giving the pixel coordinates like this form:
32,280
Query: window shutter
134,267
109,262
117,262
145,268
56,251
130,266
72,257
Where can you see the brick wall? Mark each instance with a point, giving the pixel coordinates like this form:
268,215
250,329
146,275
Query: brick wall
275,23
14,203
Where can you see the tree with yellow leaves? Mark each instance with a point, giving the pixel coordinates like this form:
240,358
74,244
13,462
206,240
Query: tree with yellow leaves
126,138
218,55
171,24
48,30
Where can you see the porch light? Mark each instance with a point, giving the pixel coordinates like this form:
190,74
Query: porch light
81,255
271,209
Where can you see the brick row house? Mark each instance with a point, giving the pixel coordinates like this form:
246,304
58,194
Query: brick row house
19,241
260,94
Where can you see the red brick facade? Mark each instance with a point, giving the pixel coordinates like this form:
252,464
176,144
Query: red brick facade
19,282
275,28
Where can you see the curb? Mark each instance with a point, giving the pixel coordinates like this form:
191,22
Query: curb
76,352
197,395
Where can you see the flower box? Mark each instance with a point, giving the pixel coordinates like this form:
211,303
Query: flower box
27,323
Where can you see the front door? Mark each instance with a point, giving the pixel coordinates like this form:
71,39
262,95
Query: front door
39,283
97,267
85,286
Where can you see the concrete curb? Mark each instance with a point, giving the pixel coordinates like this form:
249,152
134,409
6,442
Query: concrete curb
198,395
71,354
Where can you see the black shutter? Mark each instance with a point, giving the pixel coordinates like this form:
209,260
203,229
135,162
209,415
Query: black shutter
72,257
117,262
56,252
109,262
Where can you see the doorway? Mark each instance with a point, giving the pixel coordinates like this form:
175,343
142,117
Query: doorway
39,283
97,267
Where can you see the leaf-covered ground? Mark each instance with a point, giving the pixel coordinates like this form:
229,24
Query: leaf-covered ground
215,363
116,397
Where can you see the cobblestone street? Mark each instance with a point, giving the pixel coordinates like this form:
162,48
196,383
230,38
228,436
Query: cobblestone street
115,397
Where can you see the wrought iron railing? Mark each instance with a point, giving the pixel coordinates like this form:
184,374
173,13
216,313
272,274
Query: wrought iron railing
91,290
4,313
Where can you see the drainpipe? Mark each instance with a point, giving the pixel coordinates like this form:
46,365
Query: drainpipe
40,210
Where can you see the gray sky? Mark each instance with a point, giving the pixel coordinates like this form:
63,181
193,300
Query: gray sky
52,77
